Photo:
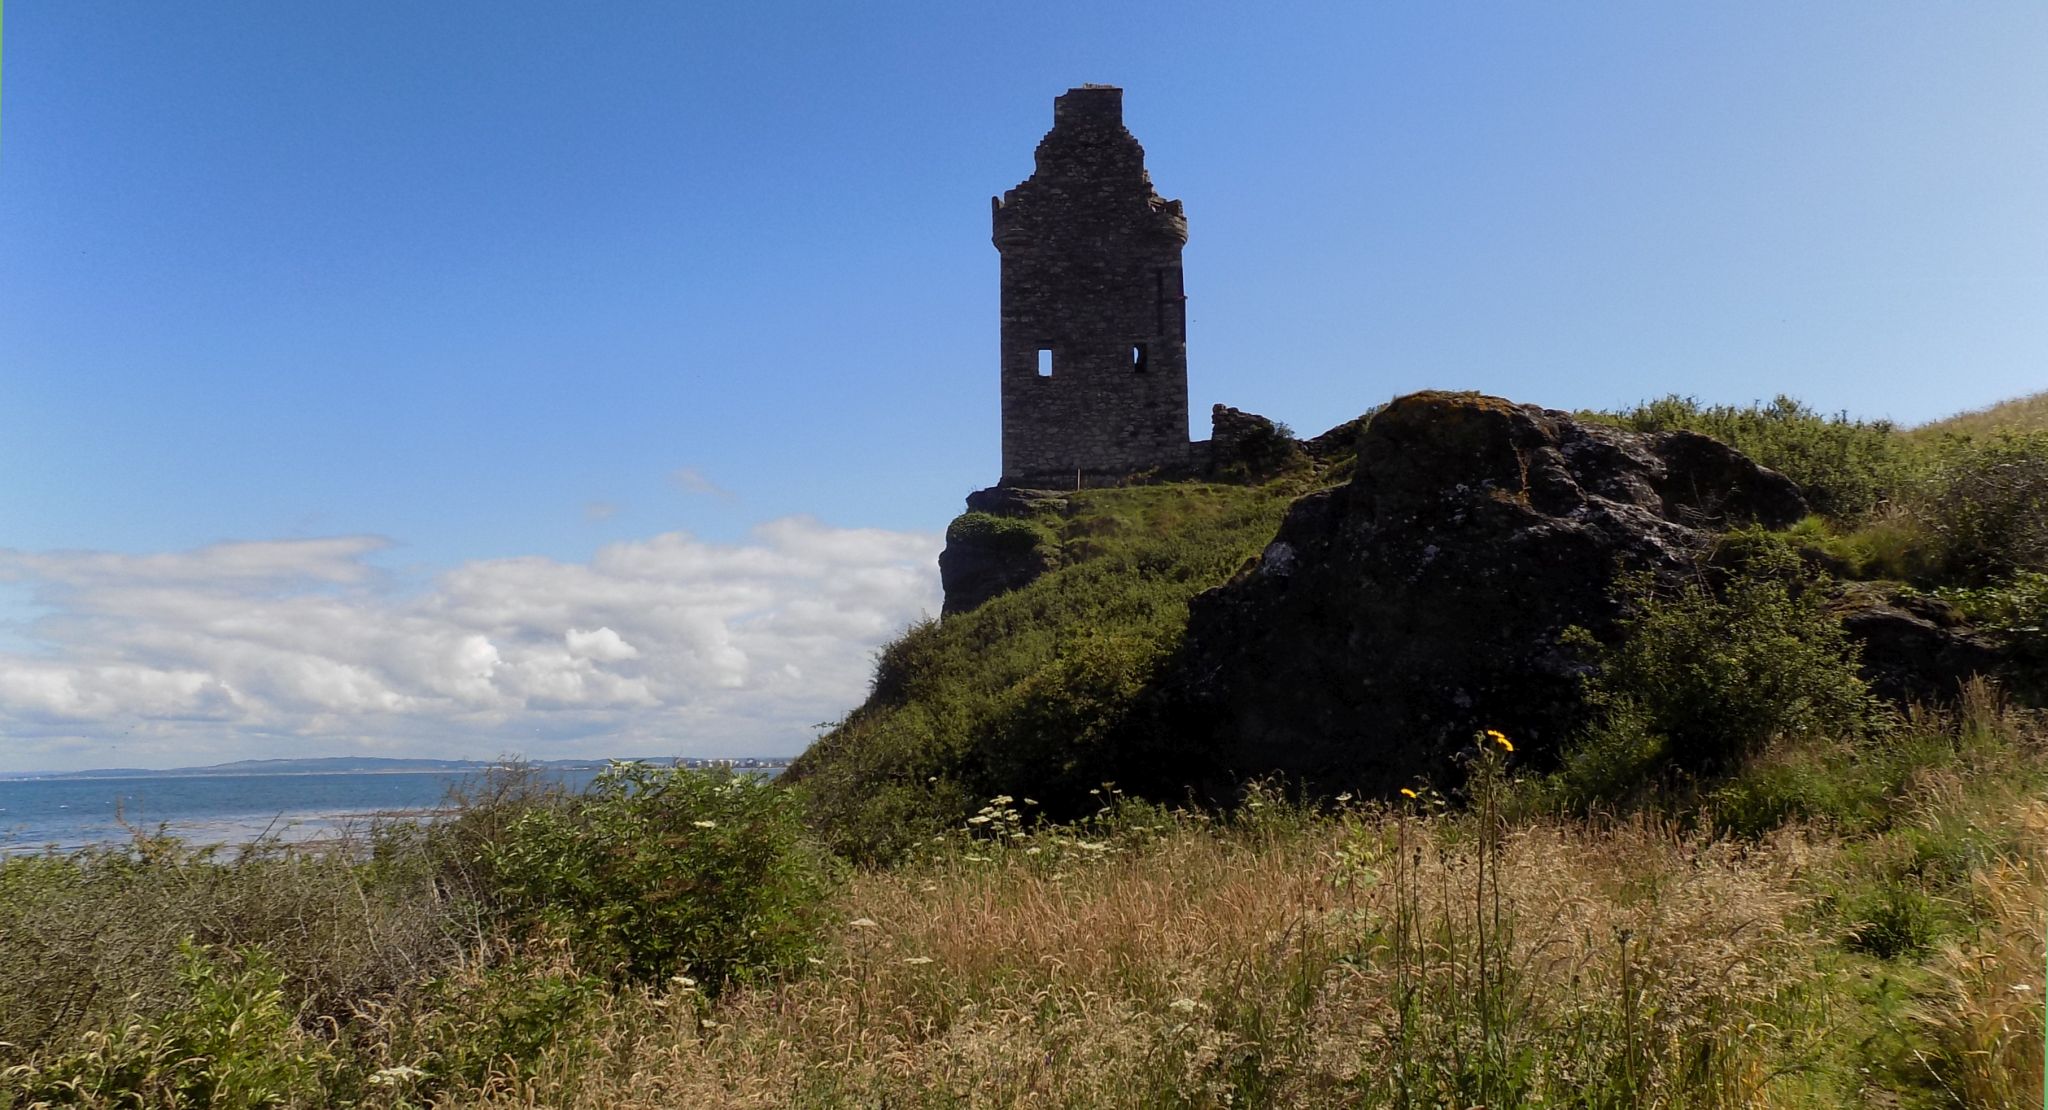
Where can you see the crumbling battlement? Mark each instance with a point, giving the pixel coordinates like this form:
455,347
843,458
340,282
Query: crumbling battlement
1094,321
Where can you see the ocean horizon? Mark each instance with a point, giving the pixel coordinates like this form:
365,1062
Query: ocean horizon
230,808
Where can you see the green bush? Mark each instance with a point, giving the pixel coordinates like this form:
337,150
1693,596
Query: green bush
492,1022
90,940
1059,726
659,871
1703,679
1985,503
232,1043
1844,467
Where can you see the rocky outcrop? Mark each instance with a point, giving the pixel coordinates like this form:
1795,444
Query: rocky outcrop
1013,501
1245,445
995,547
1394,615
1915,648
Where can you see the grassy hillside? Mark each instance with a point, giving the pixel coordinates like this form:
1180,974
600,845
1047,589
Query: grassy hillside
1027,694
2019,415
1847,908
1043,692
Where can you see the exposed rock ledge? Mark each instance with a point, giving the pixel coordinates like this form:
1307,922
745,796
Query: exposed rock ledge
1393,615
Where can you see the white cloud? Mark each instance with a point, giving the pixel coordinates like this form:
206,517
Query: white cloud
663,645
691,480
601,644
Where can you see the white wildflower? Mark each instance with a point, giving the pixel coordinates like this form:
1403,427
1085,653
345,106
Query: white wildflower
392,1077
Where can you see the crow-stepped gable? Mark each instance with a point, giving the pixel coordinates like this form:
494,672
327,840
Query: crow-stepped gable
1094,333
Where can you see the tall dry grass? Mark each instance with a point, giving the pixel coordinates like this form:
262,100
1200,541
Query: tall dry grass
1985,1011
1256,967
1418,955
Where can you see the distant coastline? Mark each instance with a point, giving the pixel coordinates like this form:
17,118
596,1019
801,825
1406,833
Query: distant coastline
356,765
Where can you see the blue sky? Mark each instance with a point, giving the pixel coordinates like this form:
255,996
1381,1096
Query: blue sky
389,301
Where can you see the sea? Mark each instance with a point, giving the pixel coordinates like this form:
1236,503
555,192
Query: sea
65,814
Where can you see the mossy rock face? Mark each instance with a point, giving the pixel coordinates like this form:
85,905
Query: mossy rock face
988,555
1393,616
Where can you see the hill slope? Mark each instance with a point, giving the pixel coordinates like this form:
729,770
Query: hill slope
1021,694
2019,415
1428,582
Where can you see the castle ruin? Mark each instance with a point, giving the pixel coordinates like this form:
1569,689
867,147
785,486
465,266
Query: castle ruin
1094,331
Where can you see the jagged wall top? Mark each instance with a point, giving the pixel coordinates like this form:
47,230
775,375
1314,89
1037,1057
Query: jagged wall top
1088,149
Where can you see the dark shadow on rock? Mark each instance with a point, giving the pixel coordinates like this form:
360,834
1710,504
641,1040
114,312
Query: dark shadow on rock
1395,615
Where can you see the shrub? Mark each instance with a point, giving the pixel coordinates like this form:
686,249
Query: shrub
232,1043
1986,505
1844,467
487,1022
657,871
91,940
1059,724
1701,680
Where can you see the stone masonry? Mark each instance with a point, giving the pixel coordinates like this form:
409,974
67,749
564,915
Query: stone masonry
1094,333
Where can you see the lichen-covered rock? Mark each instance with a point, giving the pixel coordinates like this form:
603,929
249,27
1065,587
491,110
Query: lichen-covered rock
1393,616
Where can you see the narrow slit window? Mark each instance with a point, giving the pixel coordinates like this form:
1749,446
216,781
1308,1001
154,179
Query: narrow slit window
1137,358
1045,362
1159,301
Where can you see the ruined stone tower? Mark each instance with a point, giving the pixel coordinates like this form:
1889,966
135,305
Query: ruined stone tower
1094,336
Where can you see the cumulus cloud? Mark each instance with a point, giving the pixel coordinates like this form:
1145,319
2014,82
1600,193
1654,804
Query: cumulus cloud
599,643
665,645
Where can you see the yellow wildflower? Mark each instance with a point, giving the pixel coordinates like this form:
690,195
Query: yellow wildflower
1407,793
1500,738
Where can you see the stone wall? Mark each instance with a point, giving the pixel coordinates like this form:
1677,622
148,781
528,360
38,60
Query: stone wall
1094,322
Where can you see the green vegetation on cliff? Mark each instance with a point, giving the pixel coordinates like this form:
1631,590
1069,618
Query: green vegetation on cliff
1023,694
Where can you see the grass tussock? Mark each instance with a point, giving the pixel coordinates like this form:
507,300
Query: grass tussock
1985,1008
